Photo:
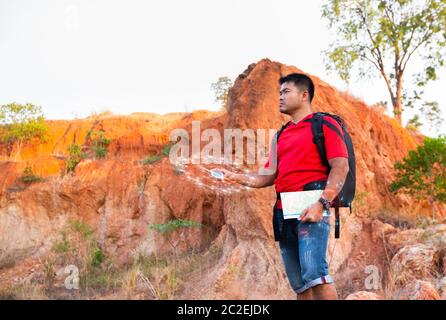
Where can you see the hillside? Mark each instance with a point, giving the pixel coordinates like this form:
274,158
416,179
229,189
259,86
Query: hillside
233,255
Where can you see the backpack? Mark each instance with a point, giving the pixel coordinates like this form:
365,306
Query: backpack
345,197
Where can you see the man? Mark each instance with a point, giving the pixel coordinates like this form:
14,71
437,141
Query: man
303,241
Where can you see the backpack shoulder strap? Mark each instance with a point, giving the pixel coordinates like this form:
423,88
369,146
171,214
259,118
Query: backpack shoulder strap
317,122
334,128
318,136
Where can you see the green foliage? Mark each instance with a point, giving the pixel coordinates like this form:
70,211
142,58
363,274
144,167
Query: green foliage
221,90
99,143
29,176
62,246
157,157
166,149
21,123
343,59
380,38
168,230
75,155
422,173
173,225
97,257
414,123
79,246
152,159
82,228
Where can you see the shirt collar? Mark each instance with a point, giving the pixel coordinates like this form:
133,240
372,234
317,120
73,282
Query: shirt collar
301,120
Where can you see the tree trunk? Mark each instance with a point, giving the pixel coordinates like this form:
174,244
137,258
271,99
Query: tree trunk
431,193
19,149
397,104
432,202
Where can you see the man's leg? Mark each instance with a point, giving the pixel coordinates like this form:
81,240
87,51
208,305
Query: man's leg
313,240
325,292
306,295
290,255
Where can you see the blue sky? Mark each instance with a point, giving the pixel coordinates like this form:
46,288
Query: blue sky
78,57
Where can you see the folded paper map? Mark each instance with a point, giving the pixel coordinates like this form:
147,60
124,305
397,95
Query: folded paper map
294,203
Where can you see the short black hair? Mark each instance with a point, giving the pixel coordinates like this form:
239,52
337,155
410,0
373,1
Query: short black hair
300,80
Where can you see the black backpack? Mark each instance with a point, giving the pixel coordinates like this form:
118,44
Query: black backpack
346,195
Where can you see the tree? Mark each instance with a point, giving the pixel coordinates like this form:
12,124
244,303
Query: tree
423,172
221,90
383,36
20,124
169,229
75,155
99,143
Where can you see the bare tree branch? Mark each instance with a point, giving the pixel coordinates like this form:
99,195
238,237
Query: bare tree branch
426,37
380,59
407,50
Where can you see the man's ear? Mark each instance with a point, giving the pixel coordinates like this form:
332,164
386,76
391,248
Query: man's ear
306,95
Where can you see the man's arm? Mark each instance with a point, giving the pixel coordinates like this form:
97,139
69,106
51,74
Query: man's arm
336,179
251,179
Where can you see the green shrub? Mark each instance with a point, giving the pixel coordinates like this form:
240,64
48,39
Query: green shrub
99,143
422,173
20,124
155,158
29,176
97,257
152,159
75,155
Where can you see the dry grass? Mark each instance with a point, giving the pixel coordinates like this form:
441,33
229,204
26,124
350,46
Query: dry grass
23,292
152,277
168,276
149,277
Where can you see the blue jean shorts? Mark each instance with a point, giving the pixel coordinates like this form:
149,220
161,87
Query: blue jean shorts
303,247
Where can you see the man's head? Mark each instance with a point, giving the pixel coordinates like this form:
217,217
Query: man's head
296,92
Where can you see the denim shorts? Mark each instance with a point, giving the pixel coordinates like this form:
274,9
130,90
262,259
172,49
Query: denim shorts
303,247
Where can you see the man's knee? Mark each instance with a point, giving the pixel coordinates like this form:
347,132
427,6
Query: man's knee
305,295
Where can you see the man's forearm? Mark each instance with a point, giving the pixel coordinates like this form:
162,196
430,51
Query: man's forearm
245,179
252,180
335,182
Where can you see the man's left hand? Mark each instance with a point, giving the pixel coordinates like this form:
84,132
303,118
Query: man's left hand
313,213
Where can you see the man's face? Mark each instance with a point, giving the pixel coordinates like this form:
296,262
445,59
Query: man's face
291,98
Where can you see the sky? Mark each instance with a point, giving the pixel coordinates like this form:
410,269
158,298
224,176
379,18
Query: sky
74,58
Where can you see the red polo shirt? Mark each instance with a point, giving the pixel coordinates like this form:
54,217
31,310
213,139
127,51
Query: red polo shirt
298,159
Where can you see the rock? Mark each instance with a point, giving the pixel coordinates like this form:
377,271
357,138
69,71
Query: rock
364,295
413,262
441,286
400,239
380,229
419,290
444,265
